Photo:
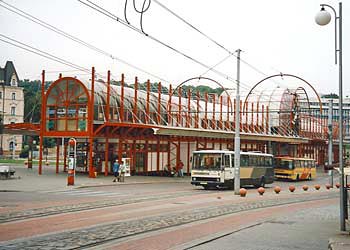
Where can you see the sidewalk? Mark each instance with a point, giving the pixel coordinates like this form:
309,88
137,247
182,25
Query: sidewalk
29,180
340,242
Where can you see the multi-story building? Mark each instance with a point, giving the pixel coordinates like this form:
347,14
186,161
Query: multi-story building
316,111
11,108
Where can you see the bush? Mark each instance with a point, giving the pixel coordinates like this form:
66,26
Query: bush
24,152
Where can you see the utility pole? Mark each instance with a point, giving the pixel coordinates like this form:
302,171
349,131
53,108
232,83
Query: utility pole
330,141
237,144
3,114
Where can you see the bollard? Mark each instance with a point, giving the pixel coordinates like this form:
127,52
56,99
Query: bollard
337,185
305,187
243,192
277,189
317,187
292,188
261,190
328,186
70,177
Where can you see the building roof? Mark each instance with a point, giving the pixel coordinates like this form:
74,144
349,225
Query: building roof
7,72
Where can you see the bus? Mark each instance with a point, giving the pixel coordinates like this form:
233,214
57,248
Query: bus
215,168
292,168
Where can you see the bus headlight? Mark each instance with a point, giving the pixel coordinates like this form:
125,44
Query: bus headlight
218,179
194,178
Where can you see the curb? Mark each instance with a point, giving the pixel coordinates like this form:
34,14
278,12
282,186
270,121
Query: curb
341,242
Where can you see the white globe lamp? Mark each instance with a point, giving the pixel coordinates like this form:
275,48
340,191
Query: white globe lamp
323,17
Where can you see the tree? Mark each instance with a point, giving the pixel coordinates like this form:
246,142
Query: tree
330,96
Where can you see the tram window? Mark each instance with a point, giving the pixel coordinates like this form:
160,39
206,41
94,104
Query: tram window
297,164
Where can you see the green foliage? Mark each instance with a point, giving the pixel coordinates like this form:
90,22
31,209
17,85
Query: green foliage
330,96
24,152
32,100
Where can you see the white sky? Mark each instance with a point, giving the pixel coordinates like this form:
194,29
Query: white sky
275,35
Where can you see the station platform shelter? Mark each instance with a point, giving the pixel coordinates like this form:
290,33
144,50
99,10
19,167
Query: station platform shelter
156,125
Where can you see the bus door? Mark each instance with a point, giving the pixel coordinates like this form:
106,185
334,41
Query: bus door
227,167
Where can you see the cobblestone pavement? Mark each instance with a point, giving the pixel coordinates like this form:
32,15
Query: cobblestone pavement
97,235
39,212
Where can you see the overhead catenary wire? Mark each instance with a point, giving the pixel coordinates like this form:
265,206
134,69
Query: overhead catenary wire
107,13
73,38
40,52
46,25
69,36
208,37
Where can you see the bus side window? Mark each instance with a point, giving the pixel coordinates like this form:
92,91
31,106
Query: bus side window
262,161
252,160
218,163
268,161
244,160
290,164
309,164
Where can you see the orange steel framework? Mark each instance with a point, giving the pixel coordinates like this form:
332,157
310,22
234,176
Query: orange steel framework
155,129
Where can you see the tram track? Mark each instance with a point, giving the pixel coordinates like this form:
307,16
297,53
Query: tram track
99,235
71,208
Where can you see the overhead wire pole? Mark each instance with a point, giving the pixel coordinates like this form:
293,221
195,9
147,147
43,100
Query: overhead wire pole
330,141
237,144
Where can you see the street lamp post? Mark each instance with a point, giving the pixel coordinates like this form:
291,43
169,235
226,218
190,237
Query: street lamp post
330,141
323,18
237,144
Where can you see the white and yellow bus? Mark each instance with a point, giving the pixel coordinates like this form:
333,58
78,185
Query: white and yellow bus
215,168
292,168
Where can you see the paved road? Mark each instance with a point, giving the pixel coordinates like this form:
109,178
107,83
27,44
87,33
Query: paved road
167,214
308,229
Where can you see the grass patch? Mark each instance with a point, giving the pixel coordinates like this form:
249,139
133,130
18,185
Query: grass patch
13,161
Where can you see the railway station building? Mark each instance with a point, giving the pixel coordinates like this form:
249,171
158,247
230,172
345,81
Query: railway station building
155,127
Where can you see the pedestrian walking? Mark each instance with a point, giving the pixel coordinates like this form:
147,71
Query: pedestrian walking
122,170
180,167
116,166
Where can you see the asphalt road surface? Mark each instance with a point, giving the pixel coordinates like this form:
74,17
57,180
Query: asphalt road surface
169,215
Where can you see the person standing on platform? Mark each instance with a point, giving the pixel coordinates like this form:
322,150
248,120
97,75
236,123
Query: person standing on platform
116,166
180,167
122,169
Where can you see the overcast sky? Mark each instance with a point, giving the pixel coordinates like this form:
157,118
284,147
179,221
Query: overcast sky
275,36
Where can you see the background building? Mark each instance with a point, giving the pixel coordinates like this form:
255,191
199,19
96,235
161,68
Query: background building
12,109
315,109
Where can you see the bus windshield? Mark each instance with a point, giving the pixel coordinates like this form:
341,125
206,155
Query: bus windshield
285,164
209,161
